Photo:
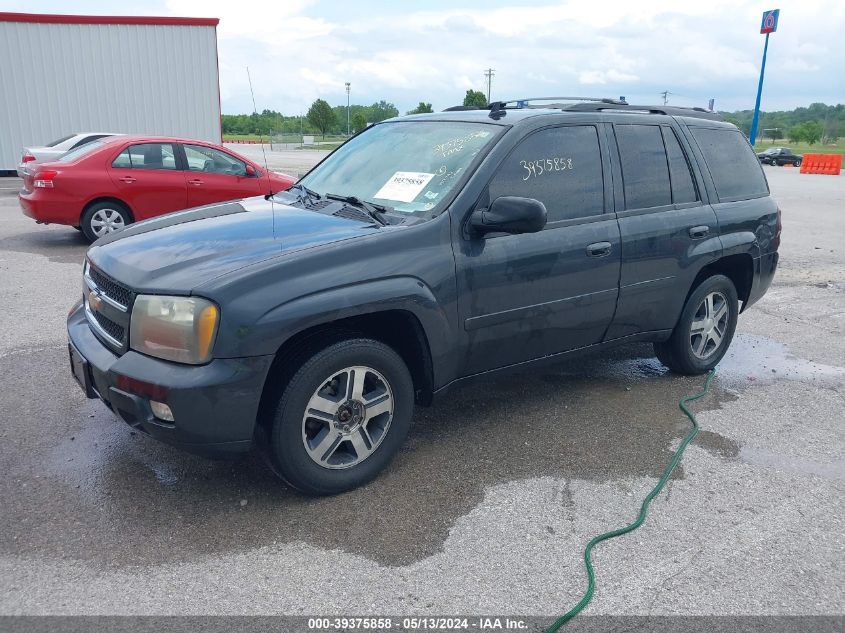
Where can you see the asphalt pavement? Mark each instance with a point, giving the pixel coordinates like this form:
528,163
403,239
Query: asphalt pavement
489,504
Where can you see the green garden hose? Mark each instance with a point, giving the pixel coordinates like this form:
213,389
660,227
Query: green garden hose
676,458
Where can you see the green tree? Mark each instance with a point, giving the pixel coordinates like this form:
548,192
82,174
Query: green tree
359,121
812,132
475,98
381,111
422,108
795,134
321,116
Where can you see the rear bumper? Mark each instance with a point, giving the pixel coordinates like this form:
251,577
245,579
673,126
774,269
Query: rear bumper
215,405
764,271
47,211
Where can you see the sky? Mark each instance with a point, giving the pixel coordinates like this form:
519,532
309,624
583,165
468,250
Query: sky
405,52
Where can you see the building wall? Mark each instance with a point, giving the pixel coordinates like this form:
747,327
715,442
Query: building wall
57,79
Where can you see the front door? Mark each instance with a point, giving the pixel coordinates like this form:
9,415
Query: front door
526,296
215,176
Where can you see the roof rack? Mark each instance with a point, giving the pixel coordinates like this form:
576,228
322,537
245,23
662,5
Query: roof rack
699,113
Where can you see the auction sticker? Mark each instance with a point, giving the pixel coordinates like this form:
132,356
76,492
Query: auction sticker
404,186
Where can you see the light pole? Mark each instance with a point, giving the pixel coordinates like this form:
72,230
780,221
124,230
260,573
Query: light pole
347,108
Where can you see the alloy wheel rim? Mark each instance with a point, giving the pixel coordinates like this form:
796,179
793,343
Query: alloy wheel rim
106,221
347,417
709,325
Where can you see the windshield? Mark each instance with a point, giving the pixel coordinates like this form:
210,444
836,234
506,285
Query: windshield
409,165
80,151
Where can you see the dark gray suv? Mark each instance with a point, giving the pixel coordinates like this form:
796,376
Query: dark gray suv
427,251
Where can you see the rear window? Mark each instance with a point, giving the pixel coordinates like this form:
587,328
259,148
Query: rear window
80,151
61,140
733,165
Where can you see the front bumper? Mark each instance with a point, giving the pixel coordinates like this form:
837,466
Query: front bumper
214,406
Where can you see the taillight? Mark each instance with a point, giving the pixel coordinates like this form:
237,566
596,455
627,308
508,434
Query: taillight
44,179
27,158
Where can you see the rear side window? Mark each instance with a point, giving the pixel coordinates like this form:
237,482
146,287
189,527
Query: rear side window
645,172
560,167
683,187
733,165
147,156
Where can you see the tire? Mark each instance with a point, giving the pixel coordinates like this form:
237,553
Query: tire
692,353
325,437
103,218
798,163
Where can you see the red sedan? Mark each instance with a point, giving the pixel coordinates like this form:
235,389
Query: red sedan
107,184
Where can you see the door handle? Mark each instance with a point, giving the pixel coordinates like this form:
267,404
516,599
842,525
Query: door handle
698,232
195,181
599,249
127,179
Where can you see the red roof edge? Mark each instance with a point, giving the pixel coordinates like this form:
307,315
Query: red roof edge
49,18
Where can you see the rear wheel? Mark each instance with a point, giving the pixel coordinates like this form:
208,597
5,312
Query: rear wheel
342,417
103,218
798,163
705,329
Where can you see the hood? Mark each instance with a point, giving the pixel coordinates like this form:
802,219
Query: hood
177,252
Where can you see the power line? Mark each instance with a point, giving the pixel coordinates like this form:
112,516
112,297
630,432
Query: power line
489,75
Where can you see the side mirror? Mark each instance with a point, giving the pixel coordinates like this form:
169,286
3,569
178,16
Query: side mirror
250,171
510,214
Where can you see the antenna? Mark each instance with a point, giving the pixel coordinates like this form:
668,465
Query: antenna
260,136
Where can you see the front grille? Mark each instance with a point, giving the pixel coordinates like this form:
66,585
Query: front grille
110,288
111,328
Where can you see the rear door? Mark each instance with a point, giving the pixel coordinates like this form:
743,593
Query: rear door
526,296
147,178
668,230
215,176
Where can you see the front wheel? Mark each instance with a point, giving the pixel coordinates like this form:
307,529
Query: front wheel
342,417
705,329
798,163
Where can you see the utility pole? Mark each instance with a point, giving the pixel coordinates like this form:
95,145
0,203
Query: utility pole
665,95
347,108
489,75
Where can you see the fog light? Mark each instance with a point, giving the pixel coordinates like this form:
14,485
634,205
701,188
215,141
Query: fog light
161,411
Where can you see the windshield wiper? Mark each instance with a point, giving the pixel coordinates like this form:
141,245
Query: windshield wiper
305,193
374,210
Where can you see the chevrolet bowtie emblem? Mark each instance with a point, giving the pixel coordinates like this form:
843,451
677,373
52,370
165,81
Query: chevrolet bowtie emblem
94,300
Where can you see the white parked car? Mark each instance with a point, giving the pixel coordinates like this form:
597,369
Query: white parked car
55,150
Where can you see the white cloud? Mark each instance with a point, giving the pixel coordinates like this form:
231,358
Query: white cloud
298,50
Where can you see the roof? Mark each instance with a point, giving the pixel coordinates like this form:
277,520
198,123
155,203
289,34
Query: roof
51,18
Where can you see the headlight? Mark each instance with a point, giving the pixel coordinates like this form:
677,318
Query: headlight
180,329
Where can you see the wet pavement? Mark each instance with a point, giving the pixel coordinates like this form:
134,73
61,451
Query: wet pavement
492,498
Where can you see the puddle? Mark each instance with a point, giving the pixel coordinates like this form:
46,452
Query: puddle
60,244
760,360
761,457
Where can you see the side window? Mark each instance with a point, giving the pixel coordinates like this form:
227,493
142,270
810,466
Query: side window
147,156
683,187
735,169
560,167
645,172
122,159
208,159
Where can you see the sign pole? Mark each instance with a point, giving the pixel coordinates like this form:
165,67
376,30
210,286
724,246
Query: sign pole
768,26
753,136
